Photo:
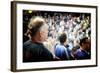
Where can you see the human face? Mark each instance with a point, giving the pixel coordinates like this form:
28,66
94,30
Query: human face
87,45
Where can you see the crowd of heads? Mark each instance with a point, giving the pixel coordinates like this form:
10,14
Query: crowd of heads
75,26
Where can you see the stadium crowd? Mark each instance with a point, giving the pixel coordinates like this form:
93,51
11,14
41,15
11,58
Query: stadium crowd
72,28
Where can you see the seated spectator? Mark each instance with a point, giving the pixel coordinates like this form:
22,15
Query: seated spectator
84,51
61,50
33,49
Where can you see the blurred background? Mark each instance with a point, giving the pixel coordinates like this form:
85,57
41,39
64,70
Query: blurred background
75,25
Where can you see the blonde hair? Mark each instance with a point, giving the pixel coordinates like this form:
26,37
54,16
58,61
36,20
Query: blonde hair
34,25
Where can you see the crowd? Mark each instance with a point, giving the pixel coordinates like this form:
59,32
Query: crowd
73,26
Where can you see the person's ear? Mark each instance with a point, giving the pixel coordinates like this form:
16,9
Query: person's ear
40,33
83,44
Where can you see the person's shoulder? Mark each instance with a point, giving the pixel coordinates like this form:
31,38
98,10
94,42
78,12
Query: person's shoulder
27,43
60,47
78,51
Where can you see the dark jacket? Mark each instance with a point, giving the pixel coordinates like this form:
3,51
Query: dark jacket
35,52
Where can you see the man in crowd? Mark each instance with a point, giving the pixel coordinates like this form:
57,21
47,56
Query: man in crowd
33,49
62,50
84,51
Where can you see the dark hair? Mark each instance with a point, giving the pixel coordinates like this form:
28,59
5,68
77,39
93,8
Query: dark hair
62,38
34,25
83,40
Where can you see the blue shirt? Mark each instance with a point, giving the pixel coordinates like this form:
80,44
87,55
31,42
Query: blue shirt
81,54
61,52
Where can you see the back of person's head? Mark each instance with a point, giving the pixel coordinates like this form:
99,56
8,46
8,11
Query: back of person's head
35,25
62,38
